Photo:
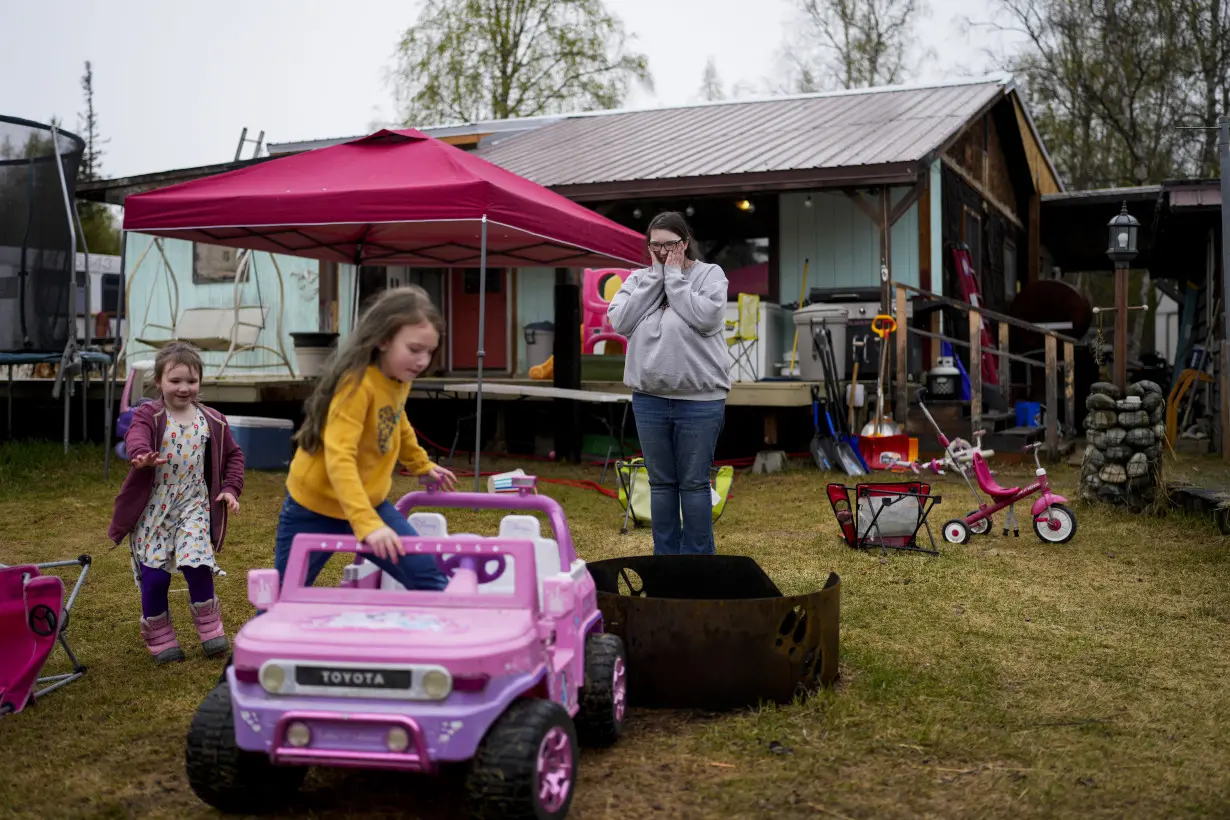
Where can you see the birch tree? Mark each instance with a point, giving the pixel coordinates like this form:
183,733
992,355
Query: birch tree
467,60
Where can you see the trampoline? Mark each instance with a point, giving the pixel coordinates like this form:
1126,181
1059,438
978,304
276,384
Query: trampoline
39,286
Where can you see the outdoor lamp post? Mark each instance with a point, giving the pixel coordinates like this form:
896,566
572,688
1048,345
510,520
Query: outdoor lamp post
1122,250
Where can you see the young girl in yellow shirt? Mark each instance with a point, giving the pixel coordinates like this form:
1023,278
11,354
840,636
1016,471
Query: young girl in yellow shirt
354,432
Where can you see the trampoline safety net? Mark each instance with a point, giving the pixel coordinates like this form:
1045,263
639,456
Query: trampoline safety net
37,304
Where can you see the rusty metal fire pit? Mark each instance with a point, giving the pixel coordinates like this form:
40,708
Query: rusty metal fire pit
714,632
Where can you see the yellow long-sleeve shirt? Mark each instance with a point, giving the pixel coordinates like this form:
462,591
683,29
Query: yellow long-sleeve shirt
366,433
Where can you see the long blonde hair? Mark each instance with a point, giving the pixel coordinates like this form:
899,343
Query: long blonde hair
387,313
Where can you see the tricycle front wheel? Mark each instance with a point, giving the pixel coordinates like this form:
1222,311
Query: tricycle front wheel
1056,525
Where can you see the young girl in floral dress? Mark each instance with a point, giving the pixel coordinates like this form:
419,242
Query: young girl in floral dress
187,472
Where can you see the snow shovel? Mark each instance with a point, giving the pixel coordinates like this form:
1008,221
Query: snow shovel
847,457
883,326
823,447
847,443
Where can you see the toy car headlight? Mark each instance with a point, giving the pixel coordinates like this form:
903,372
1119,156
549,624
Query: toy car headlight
437,684
272,677
397,739
298,735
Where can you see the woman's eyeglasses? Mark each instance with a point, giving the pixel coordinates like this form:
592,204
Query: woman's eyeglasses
665,246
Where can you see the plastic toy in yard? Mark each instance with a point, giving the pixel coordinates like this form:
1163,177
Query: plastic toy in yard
1053,522
33,619
136,376
634,484
884,516
962,455
505,670
599,286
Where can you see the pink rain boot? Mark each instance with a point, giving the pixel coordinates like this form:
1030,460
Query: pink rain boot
160,639
208,620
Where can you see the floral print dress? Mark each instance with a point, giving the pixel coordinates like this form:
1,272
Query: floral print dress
174,529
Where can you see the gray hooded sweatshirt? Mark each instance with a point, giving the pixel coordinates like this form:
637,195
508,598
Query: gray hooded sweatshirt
673,320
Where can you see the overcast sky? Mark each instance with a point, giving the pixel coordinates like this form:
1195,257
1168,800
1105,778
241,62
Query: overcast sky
175,82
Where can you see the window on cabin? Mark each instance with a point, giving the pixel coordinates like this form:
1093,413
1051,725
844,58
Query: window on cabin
212,264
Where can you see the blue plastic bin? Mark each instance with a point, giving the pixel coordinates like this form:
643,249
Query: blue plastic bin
265,442
1028,414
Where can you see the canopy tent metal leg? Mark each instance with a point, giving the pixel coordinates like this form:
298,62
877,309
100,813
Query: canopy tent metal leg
482,333
111,369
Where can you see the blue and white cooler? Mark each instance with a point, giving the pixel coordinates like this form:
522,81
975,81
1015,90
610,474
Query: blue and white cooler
265,442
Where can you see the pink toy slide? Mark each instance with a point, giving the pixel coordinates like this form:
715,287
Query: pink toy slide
598,287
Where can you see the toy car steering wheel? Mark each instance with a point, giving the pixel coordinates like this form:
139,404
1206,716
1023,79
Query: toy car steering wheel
449,564
883,324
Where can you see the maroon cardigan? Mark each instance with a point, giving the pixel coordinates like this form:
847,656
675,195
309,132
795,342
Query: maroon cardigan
224,465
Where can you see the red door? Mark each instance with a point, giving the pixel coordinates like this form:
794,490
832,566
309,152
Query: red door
463,321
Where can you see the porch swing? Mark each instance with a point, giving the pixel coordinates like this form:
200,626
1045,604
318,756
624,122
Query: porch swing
231,330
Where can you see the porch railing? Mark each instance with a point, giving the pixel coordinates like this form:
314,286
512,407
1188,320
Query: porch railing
1050,364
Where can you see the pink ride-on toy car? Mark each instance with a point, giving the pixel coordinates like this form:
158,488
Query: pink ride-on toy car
505,669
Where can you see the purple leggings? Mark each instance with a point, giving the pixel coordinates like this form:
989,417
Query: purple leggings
156,582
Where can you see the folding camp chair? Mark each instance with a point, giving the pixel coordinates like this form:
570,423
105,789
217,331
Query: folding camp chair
742,343
884,515
33,617
634,491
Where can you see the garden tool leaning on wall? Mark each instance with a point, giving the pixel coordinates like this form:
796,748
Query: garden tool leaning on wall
883,326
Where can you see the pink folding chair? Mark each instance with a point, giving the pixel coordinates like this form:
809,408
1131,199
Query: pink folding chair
33,617
597,288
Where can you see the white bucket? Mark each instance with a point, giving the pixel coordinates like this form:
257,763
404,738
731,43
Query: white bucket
312,360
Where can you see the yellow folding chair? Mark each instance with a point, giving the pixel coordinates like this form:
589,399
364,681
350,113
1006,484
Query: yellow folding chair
742,343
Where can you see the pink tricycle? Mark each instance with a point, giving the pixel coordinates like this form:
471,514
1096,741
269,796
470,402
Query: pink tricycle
505,670
1053,522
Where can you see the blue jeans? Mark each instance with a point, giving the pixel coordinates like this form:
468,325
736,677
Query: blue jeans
677,439
412,571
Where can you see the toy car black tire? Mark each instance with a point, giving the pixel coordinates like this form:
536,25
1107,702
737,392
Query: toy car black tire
503,777
226,776
599,722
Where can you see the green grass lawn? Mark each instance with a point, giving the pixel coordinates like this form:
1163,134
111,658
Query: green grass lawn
1005,678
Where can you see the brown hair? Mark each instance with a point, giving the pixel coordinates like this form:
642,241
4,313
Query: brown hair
674,222
386,313
177,353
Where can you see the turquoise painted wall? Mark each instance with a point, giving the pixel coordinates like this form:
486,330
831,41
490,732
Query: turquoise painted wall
149,301
841,242
535,303
345,298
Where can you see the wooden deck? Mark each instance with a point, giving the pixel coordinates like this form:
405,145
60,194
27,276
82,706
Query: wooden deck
256,389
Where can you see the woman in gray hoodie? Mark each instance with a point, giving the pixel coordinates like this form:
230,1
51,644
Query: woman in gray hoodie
672,314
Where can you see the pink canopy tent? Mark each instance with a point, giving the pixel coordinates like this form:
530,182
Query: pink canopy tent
391,198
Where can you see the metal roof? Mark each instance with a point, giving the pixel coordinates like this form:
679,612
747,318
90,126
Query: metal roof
504,127
1091,195
850,137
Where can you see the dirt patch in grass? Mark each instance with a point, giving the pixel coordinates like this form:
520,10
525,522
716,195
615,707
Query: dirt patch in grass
1005,678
